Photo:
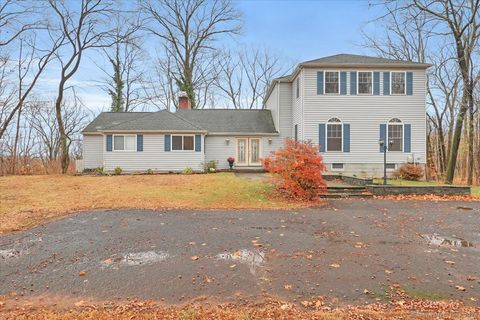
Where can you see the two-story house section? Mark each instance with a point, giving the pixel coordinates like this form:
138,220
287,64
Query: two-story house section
348,103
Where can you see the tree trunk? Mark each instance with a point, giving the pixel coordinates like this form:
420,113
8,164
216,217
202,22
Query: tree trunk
471,137
64,155
15,144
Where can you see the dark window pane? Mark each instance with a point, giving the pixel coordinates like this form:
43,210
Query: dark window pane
365,82
337,165
176,142
398,83
395,137
331,82
334,144
188,143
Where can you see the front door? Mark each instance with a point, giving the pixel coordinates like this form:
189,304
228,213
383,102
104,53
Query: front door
248,151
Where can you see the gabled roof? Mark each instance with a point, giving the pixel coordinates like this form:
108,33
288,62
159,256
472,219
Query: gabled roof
211,121
230,120
344,59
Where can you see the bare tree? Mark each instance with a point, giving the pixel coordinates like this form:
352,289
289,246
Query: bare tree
189,29
84,25
462,20
16,17
243,77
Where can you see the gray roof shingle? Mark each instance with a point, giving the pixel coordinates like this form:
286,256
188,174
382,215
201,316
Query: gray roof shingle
210,120
357,60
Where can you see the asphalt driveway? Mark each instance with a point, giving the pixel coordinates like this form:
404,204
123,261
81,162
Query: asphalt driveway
350,250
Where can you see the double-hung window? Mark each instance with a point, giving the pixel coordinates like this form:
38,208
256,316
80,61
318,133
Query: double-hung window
334,135
395,135
124,142
182,143
398,82
331,82
365,83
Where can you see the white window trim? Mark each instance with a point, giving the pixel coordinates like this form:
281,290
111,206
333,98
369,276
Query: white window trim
403,134
334,169
182,135
325,82
358,82
391,83
123,135
326,133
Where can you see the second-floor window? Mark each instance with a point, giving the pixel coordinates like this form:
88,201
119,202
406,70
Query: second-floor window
331,82
365,83
398,82
334,135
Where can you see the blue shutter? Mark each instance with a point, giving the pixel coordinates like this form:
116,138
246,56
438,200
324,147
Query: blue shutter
139,142
320,82
321,136
376,83
383,135
343,83
386,83
167,142
346,137
198,143
353,83
409,83
109,142
407,137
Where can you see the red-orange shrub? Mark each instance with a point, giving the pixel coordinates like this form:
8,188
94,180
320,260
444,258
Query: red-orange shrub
297,170
409,171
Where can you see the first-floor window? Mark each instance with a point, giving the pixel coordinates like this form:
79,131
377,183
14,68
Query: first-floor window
334,135
395,135
124,142
182,143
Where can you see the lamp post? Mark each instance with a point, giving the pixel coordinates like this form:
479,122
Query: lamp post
382,145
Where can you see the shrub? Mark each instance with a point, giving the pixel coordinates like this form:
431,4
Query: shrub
187,170
297,170
210,166
149,171
117,171
99,171
409,172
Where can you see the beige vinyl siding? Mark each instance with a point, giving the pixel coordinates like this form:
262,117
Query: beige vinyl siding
297,106
285,114
365,113
217,149
153,157
92,151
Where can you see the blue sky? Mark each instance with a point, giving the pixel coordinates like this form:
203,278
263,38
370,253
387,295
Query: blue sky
296,30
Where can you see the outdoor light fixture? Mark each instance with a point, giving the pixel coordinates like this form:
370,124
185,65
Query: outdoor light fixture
227,141
270,140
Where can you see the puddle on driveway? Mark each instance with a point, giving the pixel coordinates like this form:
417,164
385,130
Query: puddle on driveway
10,253
254,259
137,258
443,241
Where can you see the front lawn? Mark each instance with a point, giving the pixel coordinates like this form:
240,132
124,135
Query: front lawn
29,200
399,182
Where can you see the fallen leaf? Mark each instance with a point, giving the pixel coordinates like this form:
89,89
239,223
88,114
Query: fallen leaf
194,258
108,261
460,288
82,273
288,287
450,262
388,271
366,291
335,265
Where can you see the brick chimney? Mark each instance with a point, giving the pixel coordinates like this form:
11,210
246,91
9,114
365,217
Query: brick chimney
184,101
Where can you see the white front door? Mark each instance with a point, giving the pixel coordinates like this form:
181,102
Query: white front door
248,151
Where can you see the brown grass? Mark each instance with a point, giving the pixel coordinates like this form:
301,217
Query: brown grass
29,200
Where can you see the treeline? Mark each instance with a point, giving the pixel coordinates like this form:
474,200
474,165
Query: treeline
44,44
444,33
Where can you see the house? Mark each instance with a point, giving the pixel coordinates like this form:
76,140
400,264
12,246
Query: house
344,103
